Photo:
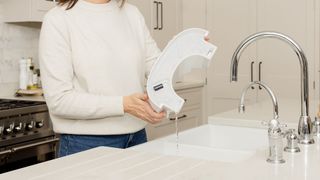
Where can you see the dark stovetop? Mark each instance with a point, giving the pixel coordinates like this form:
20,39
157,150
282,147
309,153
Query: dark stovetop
6,104
10,107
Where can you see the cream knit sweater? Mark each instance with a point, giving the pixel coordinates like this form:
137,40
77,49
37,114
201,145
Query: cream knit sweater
90,57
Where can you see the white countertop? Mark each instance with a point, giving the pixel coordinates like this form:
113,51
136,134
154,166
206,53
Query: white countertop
177,86
107,163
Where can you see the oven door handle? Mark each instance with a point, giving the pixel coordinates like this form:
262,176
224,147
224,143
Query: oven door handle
5,152
35,144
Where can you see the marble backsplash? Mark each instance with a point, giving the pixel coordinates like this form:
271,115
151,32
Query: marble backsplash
16,41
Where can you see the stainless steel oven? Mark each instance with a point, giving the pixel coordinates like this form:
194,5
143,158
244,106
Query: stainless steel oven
26,135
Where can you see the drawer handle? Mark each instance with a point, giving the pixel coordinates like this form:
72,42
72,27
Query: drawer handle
157,15
185,100
50,141
181,117
260,64
161,6
5,152
252,63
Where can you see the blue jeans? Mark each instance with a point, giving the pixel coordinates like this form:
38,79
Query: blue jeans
70,144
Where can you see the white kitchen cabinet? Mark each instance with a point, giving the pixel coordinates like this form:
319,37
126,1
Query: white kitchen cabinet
165,21
162,18
187,120
25,10
192,115
229,22
232,21
280,67
193,14
166,18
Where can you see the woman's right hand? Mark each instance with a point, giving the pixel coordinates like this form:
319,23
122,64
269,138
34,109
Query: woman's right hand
138,106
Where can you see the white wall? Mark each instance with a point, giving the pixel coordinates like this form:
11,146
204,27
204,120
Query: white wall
16,41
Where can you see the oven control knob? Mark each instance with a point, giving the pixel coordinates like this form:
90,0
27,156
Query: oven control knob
18,128
1,130
7,130
29,126
39,124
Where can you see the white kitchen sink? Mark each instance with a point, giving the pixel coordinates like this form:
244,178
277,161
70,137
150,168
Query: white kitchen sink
211,142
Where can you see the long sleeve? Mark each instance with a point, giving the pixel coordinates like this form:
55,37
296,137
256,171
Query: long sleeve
55,56
152,51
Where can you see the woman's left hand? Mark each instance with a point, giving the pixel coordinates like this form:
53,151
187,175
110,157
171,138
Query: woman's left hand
138,106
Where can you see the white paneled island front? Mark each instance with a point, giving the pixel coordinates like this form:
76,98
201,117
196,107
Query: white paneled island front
106,163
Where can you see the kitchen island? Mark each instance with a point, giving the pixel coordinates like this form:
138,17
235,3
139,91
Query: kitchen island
108,163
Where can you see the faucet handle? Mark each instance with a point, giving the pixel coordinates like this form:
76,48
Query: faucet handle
273,123
316,127
275,129
292,141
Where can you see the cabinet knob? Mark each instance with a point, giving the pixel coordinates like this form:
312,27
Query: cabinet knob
30,126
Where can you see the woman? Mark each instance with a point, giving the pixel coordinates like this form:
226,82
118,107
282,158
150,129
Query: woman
94,55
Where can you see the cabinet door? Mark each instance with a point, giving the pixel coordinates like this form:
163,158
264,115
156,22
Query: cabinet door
191,115
229,22
162,18
40,7
187,120
25,10
165,21
145,8
193,14
280,65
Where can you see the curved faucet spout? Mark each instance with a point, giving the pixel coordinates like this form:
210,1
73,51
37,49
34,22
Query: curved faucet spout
305,125
270,92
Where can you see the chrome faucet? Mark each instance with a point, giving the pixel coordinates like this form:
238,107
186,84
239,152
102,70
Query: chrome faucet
275,134
305,123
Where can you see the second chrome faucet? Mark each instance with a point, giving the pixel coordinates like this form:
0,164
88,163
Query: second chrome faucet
275,133
273,97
